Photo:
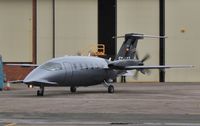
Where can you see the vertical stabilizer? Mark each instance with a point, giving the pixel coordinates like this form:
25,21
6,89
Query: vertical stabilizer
128,48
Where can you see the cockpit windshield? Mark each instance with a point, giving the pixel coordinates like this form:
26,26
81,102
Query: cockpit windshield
51,66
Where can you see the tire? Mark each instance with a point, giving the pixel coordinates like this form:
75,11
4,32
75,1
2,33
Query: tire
40,93
111,89
73,89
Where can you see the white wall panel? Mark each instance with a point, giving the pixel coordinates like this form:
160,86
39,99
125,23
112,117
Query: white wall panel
76,26
140,16
182,44
44,30
16,30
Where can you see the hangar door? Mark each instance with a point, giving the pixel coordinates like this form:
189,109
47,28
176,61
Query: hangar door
76,26
16,30
183,42
44,30
140,16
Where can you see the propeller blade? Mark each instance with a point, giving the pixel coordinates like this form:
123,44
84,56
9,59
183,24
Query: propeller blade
145,58
143,71
136,56
147,71
135,76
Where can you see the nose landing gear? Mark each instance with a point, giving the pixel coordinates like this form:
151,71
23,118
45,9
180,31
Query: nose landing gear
110,87
40,92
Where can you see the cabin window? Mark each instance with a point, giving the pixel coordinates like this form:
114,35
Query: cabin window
81,66
85,66
51,66
96,65
75,66
91,66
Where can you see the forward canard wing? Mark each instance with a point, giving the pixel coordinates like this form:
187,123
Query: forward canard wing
23,65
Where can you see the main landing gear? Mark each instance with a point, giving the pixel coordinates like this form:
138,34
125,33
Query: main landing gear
40,92
73,89
110,87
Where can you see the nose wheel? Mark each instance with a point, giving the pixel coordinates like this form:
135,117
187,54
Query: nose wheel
110,87
40,92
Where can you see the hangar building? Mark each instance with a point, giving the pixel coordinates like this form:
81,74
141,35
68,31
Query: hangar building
33,31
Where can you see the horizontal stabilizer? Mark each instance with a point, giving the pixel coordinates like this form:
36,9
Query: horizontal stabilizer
141,36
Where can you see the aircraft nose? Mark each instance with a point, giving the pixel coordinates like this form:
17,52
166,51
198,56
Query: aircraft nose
35,76
39,76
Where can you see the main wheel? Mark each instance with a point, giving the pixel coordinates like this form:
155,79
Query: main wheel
40,93
111,89
73,89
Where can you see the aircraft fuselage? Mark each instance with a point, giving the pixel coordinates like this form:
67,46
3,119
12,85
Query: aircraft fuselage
71,71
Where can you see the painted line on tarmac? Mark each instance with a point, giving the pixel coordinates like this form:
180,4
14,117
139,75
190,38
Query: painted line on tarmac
172,124
36,122
11,124
131,99
42,122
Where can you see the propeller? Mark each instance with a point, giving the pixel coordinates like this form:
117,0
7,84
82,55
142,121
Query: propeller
146,57
143,71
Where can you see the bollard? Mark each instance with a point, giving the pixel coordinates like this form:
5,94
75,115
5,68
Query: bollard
1,74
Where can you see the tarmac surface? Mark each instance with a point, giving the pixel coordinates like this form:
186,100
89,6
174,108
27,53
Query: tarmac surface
132,104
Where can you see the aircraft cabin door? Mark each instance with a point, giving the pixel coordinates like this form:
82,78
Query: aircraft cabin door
68,73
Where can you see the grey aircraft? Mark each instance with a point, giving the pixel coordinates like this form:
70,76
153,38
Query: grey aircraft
77,71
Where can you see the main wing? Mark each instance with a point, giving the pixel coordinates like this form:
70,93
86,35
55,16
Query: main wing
157,67
135,64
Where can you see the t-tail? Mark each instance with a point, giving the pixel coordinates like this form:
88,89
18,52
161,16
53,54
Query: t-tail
128,48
